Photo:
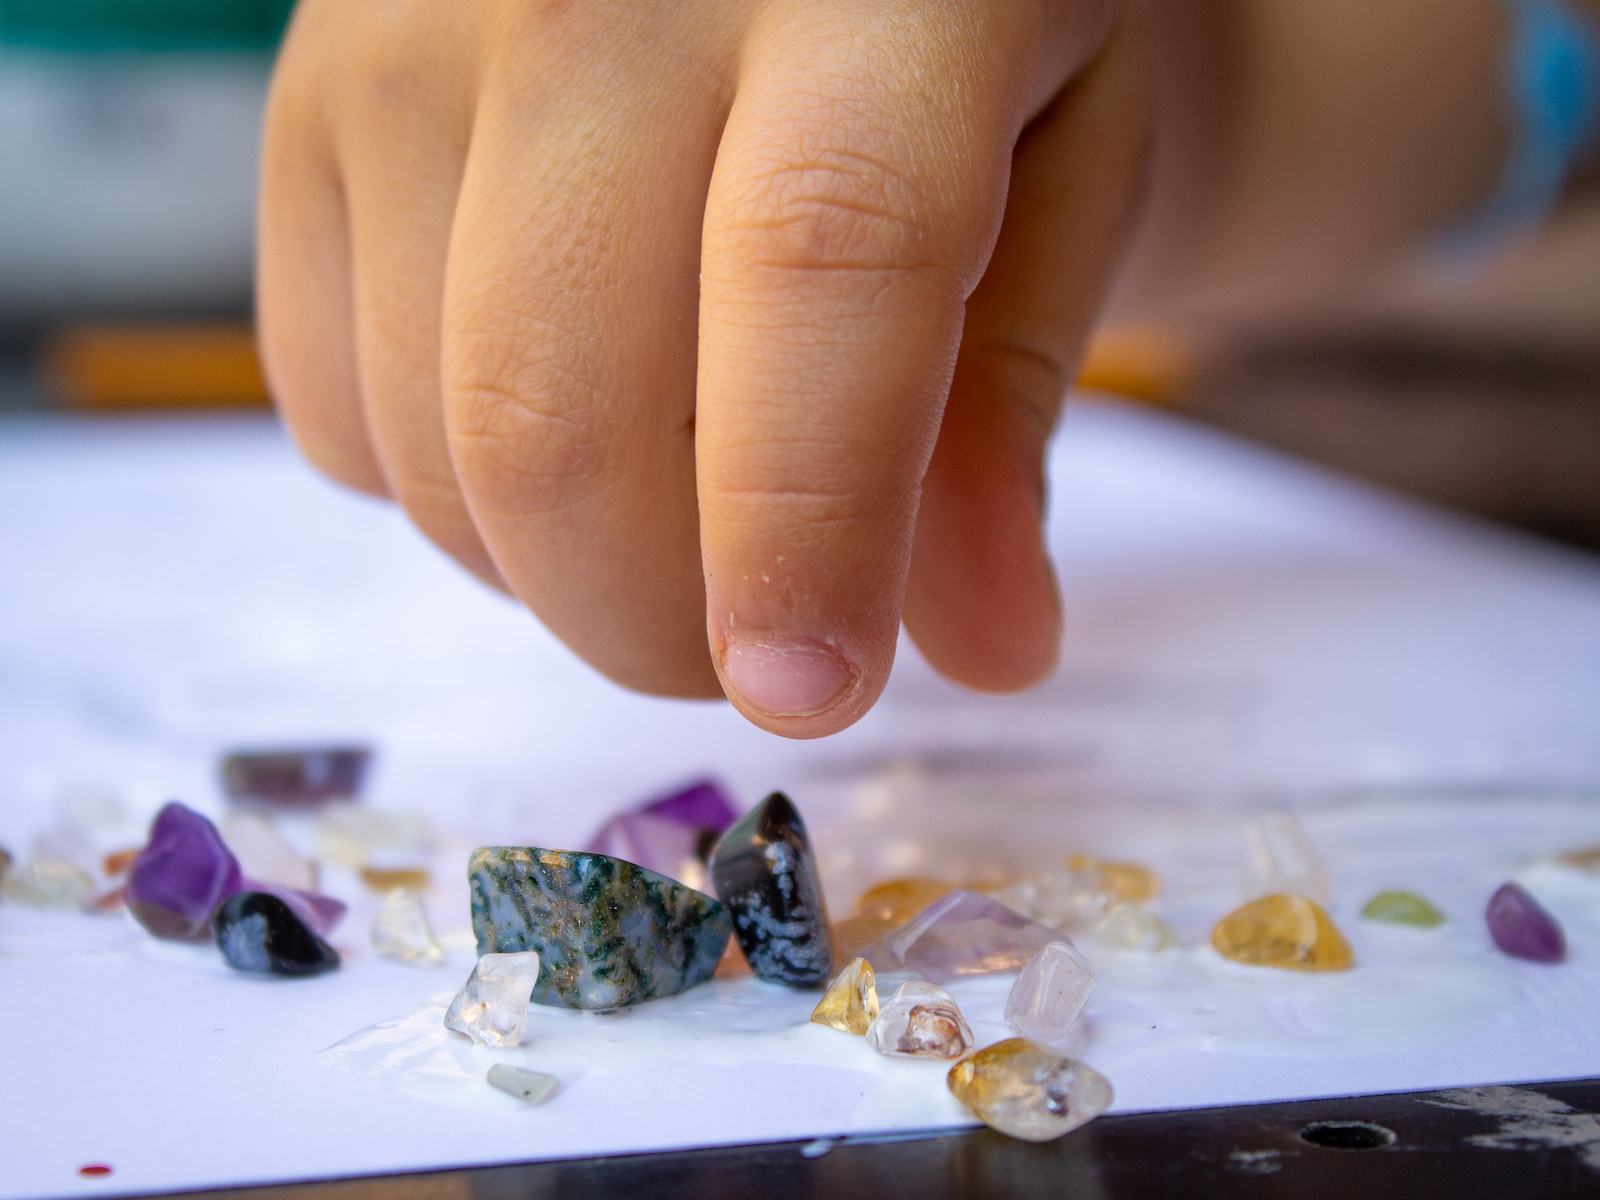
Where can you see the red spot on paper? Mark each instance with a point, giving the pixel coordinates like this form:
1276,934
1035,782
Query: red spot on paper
94,1171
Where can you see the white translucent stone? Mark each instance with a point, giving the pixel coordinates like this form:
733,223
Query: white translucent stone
1050,993
65,842
492,1006
264,856
1130,926
401,931
348,836
1071,900
48,885
1279,858
531,1087
920,1020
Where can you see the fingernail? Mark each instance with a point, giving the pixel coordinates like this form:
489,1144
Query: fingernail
787,681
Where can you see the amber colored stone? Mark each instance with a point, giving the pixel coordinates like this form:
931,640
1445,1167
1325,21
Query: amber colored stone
851,1002
1285,931
855,935
117,863
112,901
381,879
898,900
1124,881
1027,1091
733,964
1585,860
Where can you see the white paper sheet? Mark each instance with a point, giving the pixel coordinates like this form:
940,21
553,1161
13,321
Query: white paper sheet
1243,630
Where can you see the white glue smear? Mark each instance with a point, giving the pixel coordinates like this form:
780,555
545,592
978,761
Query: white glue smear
1529,1120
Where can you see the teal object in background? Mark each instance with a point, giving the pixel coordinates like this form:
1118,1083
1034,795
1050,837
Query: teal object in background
91,26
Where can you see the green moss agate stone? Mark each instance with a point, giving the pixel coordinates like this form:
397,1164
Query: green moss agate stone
609,933
1402,908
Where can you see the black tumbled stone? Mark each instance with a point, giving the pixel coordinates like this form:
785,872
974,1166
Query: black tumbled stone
259,933
764,871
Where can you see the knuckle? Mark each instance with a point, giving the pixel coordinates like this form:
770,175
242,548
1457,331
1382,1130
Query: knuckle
825,207
526,432
1034,381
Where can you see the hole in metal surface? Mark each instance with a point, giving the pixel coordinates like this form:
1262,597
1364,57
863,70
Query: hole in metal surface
1347,1135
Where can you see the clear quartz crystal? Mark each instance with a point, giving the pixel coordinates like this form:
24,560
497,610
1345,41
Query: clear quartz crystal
1279,858
401,931
531,1087
920,1020
1050,993
46,884
1028,1091
1130,926
492,1006
264,856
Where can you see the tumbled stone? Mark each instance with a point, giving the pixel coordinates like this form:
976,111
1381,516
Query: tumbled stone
1279,859
851,1002
960,935
764,871
1028,1091
1585,860
182,874
401,931
385,879
732,965
1124,881
492,1006
1130,926
666,847
1285,931
898,900
118,862
919,1020
608,933
48,884
1402,908
65,842
531,1087
852,936
296,779
1050,993
1522,928
264,856
349,837
257,932
1072,900
702,805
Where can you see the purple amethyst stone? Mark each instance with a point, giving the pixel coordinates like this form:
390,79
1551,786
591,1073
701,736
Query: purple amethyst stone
181,876
703,805
1522,928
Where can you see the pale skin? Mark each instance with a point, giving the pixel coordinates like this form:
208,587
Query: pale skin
727,335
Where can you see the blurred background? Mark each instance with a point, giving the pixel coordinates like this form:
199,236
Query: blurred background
128,141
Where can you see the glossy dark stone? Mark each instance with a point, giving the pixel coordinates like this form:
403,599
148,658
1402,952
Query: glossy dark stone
764,871
181,875
259,933
1522,928
296,778
609,933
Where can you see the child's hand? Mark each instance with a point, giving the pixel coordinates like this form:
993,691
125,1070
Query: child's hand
650,311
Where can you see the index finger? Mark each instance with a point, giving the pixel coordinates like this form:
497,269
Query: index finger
857,194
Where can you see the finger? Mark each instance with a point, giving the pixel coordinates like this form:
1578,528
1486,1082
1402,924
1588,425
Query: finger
404,146
981,599
845,226
303,291
569,349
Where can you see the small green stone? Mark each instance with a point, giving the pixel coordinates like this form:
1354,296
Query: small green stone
609,933
1402,908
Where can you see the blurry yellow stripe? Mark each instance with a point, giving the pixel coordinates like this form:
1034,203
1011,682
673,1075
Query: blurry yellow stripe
154,366
1141,362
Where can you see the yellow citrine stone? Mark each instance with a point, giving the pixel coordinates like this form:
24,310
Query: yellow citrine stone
1123,881
1285,931
1028,1091
851,1001
901,899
